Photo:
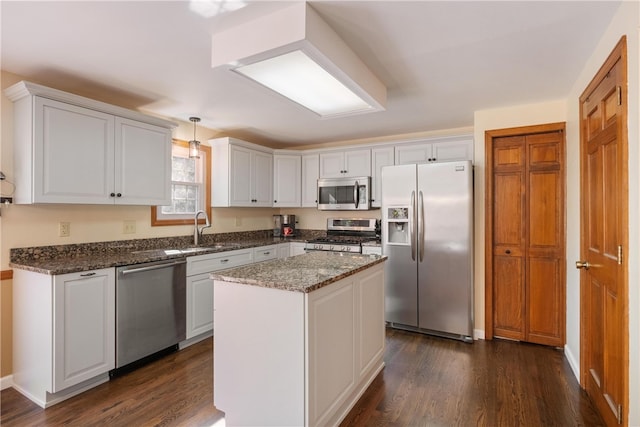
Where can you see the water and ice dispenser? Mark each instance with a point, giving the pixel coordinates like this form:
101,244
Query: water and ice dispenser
398,225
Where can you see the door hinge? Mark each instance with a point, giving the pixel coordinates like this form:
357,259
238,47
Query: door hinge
619,93
619,254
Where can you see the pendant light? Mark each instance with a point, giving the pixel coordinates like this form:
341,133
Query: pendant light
194,144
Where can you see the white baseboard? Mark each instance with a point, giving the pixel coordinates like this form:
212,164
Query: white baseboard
6,382
575,365
478,334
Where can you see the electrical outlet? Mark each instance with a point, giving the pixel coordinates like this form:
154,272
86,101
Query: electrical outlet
64,229
238,221
129,227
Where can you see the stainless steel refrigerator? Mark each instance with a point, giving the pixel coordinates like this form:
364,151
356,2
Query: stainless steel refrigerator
427,234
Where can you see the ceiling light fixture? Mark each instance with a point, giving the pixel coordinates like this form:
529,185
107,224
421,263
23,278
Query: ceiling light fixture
194,144
296,54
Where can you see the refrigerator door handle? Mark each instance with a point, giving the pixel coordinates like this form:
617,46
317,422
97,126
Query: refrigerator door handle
421,226
412,220
356,193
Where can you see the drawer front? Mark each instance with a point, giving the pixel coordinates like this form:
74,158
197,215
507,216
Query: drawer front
264,253
212,262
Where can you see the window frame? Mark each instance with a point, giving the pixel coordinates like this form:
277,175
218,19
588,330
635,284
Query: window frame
206,176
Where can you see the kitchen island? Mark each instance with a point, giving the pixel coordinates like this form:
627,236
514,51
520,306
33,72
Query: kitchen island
297,340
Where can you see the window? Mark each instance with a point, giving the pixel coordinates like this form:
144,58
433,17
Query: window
190,187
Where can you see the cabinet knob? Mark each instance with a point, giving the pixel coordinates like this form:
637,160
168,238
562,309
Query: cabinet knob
112,195
508,252
275,201
119,195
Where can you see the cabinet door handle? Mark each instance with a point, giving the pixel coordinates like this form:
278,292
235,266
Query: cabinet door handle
88,274
508,252
119,195
112,195
224,260
266,253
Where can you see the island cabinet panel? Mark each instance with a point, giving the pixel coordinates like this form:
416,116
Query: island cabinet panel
292,358
332,349
258,358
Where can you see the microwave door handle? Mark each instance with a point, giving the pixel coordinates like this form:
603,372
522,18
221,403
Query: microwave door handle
356,194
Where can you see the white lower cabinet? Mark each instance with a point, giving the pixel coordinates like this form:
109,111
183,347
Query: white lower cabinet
284,250
318,351
64,333
265,253
199,305
372,250
200,286
297,248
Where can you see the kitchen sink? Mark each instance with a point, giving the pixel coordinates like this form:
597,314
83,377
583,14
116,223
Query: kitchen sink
191,250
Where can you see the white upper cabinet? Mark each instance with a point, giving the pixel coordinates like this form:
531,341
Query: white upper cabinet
345,163
310,175
382,156
143,163
242,174
432,151
287,180
70,149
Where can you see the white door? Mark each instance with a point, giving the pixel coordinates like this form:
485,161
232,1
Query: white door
83,326
199,305
452,151
332,164
310,175
239,176
73,154
413,154
379,157
262,179
143,163
357,162
287,171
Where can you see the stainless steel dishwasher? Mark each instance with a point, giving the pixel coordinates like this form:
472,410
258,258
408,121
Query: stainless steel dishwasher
150,309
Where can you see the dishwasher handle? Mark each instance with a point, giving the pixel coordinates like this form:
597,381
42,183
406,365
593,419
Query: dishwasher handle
151,267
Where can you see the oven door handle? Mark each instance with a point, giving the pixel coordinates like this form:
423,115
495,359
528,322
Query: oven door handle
151,267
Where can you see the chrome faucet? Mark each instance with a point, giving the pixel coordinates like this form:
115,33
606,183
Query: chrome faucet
197,232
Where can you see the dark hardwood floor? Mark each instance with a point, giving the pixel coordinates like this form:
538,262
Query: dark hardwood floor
427,381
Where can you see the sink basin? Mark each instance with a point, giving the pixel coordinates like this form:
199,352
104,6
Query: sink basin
194,249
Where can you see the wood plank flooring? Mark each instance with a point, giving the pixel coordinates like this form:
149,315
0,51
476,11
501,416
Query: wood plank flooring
427,381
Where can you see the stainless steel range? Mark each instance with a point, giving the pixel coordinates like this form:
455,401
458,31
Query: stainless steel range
345,235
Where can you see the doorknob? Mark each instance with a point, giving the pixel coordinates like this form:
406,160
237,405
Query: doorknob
583,264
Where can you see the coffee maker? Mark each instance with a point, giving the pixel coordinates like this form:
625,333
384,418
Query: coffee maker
288,225
284,225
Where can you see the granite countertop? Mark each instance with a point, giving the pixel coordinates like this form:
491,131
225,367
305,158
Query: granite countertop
53,260
302,273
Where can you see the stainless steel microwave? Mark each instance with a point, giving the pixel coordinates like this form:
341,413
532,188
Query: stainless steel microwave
344,194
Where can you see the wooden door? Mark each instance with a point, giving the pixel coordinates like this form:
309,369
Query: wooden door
525,234
604,239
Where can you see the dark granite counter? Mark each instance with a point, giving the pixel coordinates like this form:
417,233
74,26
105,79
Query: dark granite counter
62,259
303,273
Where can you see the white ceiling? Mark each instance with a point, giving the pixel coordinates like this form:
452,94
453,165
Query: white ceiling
440,61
